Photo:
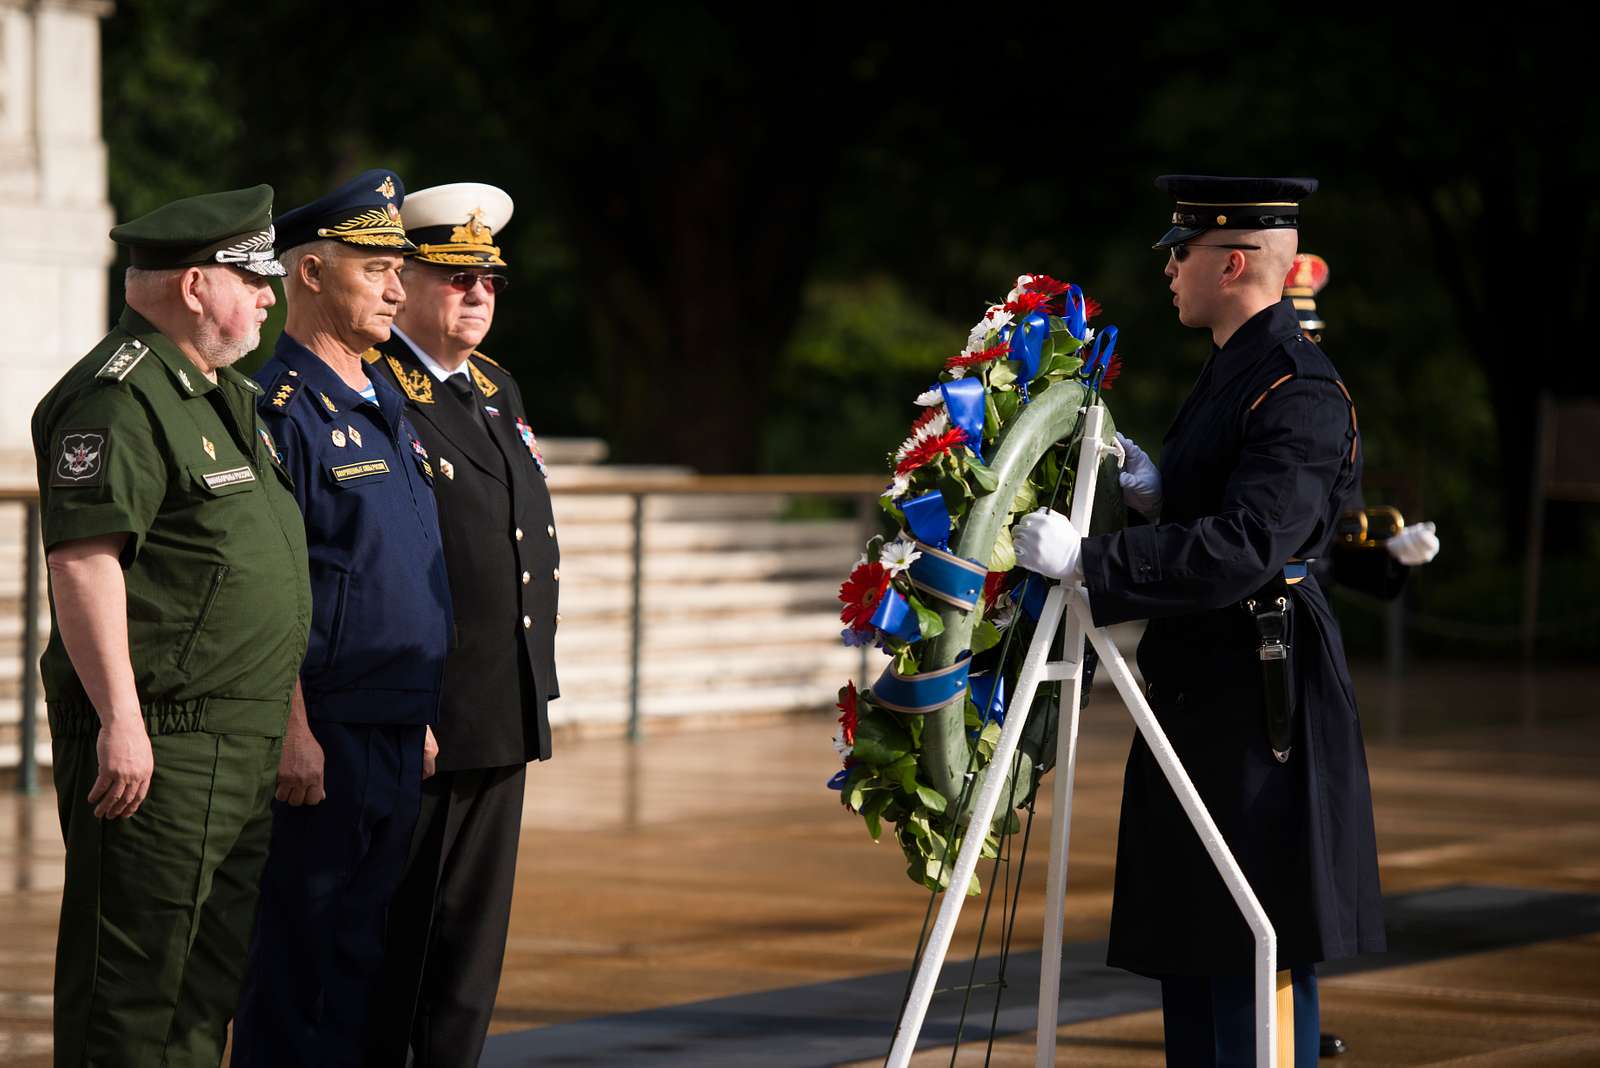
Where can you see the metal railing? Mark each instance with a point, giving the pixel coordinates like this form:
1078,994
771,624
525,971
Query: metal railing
862,490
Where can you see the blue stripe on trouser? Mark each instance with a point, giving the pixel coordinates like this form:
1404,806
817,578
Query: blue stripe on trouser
1210,1022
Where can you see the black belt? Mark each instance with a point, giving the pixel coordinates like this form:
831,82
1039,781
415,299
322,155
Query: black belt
1270,609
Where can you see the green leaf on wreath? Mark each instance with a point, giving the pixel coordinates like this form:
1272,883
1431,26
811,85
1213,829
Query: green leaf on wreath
1003,373
984,476
905,662
927,619
1004,557
985,636
1026,500
931,797
880,742
1007,405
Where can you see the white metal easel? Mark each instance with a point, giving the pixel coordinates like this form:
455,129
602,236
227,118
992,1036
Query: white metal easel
1037,668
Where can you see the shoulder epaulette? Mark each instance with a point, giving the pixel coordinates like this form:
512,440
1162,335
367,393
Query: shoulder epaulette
487,360
284,389
1355,427
123,361
372,356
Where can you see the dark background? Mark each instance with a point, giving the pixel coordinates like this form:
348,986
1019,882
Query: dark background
746,238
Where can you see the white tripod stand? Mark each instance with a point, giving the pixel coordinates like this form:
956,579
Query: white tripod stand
1037,668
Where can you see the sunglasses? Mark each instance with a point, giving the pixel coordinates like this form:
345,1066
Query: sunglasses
1181,252
465,280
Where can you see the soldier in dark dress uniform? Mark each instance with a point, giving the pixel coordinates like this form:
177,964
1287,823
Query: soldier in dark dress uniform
356,745
1255,473
448,928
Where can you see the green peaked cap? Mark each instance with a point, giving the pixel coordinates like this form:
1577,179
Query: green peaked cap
233,228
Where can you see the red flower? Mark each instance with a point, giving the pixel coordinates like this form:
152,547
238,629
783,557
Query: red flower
1091,307
925,451
847,713
1113,369
861,593
992,585
967,359
1027,303
1043,283
928,415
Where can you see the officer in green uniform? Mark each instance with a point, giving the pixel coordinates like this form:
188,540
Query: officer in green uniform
181,604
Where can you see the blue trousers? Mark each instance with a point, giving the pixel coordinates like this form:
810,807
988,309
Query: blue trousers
316,955
1210,1021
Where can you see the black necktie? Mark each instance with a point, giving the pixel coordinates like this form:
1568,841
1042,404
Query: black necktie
460,385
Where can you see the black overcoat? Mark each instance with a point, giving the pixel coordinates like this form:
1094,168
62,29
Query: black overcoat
1256,470
501,552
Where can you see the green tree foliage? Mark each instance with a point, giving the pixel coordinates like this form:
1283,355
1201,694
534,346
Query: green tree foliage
737,239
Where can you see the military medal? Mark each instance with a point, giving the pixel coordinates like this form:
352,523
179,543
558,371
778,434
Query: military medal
355,435
338,437
416,447
205,443
448,468
492,410
525,432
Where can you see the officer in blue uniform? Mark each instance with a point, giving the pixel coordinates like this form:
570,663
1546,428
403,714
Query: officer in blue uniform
355,750
1255,472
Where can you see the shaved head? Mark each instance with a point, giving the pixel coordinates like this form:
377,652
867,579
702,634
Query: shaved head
1217,286
1266,270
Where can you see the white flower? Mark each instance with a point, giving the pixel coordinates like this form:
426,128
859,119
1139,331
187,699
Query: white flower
1022,283
958,372
898,555
898,488
1003,615
996,318
929,398
844,748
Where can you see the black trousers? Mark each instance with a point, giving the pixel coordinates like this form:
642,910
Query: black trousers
447,928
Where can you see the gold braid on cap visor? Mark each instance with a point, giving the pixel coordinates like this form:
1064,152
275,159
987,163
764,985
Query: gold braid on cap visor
374,227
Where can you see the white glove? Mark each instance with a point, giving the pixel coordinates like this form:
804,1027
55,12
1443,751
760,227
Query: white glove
1141,482
1415,545
1048,544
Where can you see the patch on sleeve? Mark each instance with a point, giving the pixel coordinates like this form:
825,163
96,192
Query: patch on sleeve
124,360
80,458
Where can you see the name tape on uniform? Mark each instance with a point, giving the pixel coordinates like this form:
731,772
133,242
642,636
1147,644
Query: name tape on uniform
364,469
231,477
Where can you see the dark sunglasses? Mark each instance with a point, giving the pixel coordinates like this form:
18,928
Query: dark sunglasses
465,280
1181,252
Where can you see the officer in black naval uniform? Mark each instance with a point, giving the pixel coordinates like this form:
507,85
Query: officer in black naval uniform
448,929
1255,473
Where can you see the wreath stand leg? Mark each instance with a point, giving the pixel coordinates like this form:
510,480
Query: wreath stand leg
1037,668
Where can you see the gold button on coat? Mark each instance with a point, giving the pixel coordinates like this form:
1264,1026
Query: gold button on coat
519,533
556,574
525,578
550,530
526,623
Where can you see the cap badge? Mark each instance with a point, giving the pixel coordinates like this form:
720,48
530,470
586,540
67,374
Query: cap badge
386,188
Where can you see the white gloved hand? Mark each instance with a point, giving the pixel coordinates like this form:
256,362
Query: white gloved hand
1415,545
1048,544
1141,481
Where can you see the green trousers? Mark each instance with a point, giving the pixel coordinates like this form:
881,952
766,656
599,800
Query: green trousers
157,908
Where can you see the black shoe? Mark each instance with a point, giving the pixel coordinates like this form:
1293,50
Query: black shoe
1333,1046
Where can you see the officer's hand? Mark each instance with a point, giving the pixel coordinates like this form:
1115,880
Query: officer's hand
1415,545
126,767
300,767
1048,544
1141,481
430,752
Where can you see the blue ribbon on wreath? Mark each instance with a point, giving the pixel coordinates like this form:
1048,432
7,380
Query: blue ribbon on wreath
895,617
929,518
963,402
989,695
